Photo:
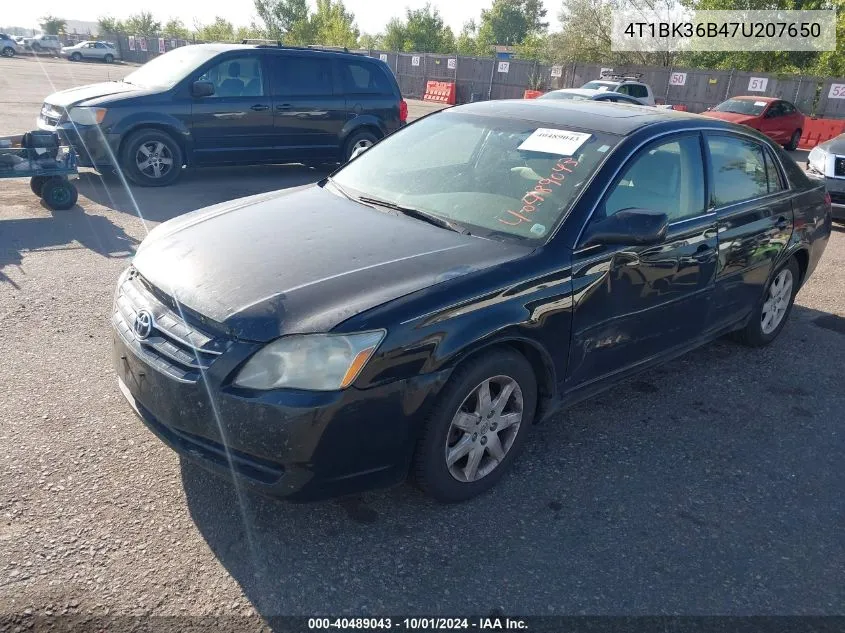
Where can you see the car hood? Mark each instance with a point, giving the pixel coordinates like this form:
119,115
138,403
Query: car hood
75,96
733,117
303,260
836,145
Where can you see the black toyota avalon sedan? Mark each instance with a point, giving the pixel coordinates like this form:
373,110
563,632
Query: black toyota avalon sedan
460,281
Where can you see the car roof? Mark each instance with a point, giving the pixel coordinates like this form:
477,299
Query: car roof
753,98
612,118
586,92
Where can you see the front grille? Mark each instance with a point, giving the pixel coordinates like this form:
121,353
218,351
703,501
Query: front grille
173,346
837,197
839,167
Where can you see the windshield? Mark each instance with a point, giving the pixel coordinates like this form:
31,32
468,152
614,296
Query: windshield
600,85
742,106
169,69
496,177
559,94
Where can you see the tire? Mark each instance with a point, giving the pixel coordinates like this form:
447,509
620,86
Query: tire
756,333
141,147
108,58
76,57
363,138
8,51
36,183
793,141
496,369
59,194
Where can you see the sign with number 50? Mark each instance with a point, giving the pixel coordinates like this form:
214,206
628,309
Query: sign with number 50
678,79
837,91
757,84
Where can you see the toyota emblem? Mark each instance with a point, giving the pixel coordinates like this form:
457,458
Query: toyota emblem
143,325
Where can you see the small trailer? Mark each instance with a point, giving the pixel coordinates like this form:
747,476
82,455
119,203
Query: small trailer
40,157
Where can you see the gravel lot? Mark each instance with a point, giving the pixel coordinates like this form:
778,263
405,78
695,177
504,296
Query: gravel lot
712,485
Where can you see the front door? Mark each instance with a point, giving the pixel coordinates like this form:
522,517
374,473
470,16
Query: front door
775,124
755,222
308,115
235,124
634,304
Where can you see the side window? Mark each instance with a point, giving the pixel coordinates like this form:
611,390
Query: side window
788,108
773,176
624,89
666,177
775,110
739,170
239,77
301,76
363,77
639,91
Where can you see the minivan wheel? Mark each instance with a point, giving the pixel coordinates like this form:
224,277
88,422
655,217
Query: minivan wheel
477,427
793,141
362,139
151,158
108,58
771,314
76,57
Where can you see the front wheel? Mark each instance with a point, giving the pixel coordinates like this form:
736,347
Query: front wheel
151,158
478,426
59,194
36,183
76,57
8,51
770,315
792,145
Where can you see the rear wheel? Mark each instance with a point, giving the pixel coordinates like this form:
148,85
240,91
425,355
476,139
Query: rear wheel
151,158
478,426
76,57
109,58
8,51
770,315
36,183
793,141
363,139
59,194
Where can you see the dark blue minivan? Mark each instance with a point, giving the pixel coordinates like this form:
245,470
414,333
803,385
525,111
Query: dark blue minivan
229,104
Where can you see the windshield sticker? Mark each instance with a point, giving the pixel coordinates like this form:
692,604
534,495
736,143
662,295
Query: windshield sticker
551,141
760,103
603,149
538,229
533,199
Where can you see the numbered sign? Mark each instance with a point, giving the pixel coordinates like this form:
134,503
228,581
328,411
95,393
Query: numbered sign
757,84
131,42
557,71
161,47
837,91
504,67
415,60
605,71
173,44
143,42
452,63
383,57
678,79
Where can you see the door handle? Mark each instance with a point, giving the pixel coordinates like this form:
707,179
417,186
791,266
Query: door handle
259,107
284,106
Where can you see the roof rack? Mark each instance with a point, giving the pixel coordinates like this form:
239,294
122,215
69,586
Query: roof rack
262,42
339,49
623,76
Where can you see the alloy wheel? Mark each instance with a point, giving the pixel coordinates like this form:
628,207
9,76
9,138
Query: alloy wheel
154,159
777,301
484,429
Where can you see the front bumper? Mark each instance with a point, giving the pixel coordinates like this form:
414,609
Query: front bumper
94,147
282,443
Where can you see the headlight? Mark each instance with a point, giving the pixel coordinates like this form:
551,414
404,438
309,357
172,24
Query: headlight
87,116
316,362
818,160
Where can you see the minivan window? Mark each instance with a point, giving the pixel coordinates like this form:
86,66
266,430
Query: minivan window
165,71
363,77
511,178
238,77
301,76
739,171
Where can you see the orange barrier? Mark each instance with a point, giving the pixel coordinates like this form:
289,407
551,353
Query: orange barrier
532,94
819,130
440,92
680,107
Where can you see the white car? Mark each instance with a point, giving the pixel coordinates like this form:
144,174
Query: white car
43,43
623,84
104,51
8,46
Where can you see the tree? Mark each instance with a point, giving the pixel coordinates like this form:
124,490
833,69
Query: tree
175,28
394,35
370,42
108,24
51,25
332,25
221,30
509,22
283,18
251,32
467,43
425,32
143,24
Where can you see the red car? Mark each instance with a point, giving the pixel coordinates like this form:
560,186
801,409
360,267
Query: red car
778,119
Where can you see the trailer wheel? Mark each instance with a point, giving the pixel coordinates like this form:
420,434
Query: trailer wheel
36,183
59,194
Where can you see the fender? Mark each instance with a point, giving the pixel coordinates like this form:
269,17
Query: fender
362,120
156,119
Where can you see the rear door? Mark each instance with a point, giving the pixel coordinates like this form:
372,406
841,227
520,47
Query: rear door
235,124
370,92
753,204
308,115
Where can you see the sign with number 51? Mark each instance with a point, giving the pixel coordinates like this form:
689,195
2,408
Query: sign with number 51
757,84
837,91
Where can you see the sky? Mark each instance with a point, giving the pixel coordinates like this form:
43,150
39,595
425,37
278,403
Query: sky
371,15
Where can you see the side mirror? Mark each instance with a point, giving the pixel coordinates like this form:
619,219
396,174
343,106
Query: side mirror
202,89
629,227
358,151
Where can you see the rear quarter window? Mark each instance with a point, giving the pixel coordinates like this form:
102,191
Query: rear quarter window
364,78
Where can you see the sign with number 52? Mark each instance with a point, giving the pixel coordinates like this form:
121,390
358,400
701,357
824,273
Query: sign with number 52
678,79
837,91
758,84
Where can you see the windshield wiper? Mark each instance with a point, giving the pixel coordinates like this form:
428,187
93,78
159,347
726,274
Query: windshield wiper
436,220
